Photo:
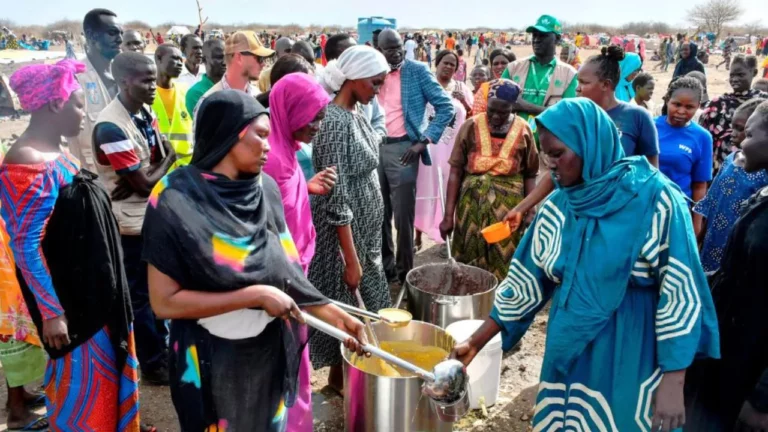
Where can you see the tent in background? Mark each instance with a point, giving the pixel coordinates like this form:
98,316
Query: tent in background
178,30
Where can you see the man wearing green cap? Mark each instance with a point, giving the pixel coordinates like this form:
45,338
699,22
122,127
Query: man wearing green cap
543,77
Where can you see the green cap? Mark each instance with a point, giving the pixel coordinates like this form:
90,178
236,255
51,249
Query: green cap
546,24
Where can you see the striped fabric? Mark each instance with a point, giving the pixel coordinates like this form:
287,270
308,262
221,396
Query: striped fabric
28,194
85,391
666,319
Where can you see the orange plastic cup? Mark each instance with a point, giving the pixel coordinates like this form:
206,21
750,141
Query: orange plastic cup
496,232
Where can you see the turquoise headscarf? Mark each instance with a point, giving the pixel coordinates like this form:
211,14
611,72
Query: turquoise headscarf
631,63
603,215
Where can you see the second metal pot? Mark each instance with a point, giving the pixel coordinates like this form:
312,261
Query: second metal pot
443,310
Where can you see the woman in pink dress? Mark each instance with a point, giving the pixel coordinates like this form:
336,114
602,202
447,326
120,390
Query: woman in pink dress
297,107
429,212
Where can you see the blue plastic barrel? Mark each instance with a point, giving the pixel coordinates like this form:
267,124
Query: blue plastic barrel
366,27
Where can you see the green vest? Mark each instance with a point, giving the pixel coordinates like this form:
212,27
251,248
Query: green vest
178,131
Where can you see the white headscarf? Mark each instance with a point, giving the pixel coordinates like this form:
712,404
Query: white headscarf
356,62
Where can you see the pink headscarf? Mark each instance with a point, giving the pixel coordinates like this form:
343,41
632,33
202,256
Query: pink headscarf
294,102
36,85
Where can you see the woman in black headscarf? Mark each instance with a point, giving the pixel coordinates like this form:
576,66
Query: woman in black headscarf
689,61
223,266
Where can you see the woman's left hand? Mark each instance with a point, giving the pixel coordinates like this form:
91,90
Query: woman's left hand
668,403
322,182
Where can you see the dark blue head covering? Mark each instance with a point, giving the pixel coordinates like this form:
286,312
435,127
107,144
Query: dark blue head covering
503,89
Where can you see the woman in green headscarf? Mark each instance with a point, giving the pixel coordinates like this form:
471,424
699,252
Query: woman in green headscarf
613,248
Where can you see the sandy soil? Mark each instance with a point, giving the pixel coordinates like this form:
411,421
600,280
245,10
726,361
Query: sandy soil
520,370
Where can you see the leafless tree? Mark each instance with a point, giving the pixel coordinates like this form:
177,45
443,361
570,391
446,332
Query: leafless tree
200,15
713,15
753,28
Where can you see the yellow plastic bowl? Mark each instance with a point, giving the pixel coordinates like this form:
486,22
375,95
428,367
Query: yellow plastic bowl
496,232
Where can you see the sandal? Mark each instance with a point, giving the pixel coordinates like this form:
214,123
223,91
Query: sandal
37,402
39,423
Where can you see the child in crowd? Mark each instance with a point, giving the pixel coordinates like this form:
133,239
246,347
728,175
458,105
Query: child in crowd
479,76
731,187
461,69
643,85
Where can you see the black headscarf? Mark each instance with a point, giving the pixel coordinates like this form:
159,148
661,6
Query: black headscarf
212,233
690,64
220,119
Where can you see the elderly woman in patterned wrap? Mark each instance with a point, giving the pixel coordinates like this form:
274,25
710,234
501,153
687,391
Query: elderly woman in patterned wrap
493,167
613,248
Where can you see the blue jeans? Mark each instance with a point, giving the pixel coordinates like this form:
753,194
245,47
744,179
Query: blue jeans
151,334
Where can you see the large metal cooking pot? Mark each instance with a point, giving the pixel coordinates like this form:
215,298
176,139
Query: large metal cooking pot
382,404
427,304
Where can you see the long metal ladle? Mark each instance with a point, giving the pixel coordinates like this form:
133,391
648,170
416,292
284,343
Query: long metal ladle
446,384
378,352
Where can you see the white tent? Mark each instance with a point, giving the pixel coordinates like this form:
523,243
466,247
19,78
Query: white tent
178,30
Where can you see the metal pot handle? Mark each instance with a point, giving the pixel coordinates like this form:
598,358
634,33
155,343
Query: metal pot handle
446,301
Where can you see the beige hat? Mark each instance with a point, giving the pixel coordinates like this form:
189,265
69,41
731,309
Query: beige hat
246,41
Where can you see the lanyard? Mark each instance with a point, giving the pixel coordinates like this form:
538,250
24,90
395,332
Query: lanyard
539,82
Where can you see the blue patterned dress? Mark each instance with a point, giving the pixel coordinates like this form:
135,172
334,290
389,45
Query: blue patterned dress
665,320
722,206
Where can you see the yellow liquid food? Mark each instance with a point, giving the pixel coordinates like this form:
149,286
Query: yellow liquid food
425,357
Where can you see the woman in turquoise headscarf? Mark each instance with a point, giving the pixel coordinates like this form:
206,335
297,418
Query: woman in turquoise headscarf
613,248
630,67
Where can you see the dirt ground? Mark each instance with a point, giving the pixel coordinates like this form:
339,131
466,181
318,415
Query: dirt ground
520,369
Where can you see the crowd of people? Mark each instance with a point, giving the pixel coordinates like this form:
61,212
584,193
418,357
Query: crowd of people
208,197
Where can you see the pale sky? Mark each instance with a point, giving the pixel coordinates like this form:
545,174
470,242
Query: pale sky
412,13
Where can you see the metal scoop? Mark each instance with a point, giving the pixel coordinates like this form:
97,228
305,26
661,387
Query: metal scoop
390,316
442,204
445,385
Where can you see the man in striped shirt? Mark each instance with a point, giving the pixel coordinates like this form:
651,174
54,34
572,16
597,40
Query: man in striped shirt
131,157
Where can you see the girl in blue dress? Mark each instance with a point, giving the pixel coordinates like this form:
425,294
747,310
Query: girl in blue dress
613,248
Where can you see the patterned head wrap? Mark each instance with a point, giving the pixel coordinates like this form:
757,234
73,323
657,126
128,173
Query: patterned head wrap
36,85
503,89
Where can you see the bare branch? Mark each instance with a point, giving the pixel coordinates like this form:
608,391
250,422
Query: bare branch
713,15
